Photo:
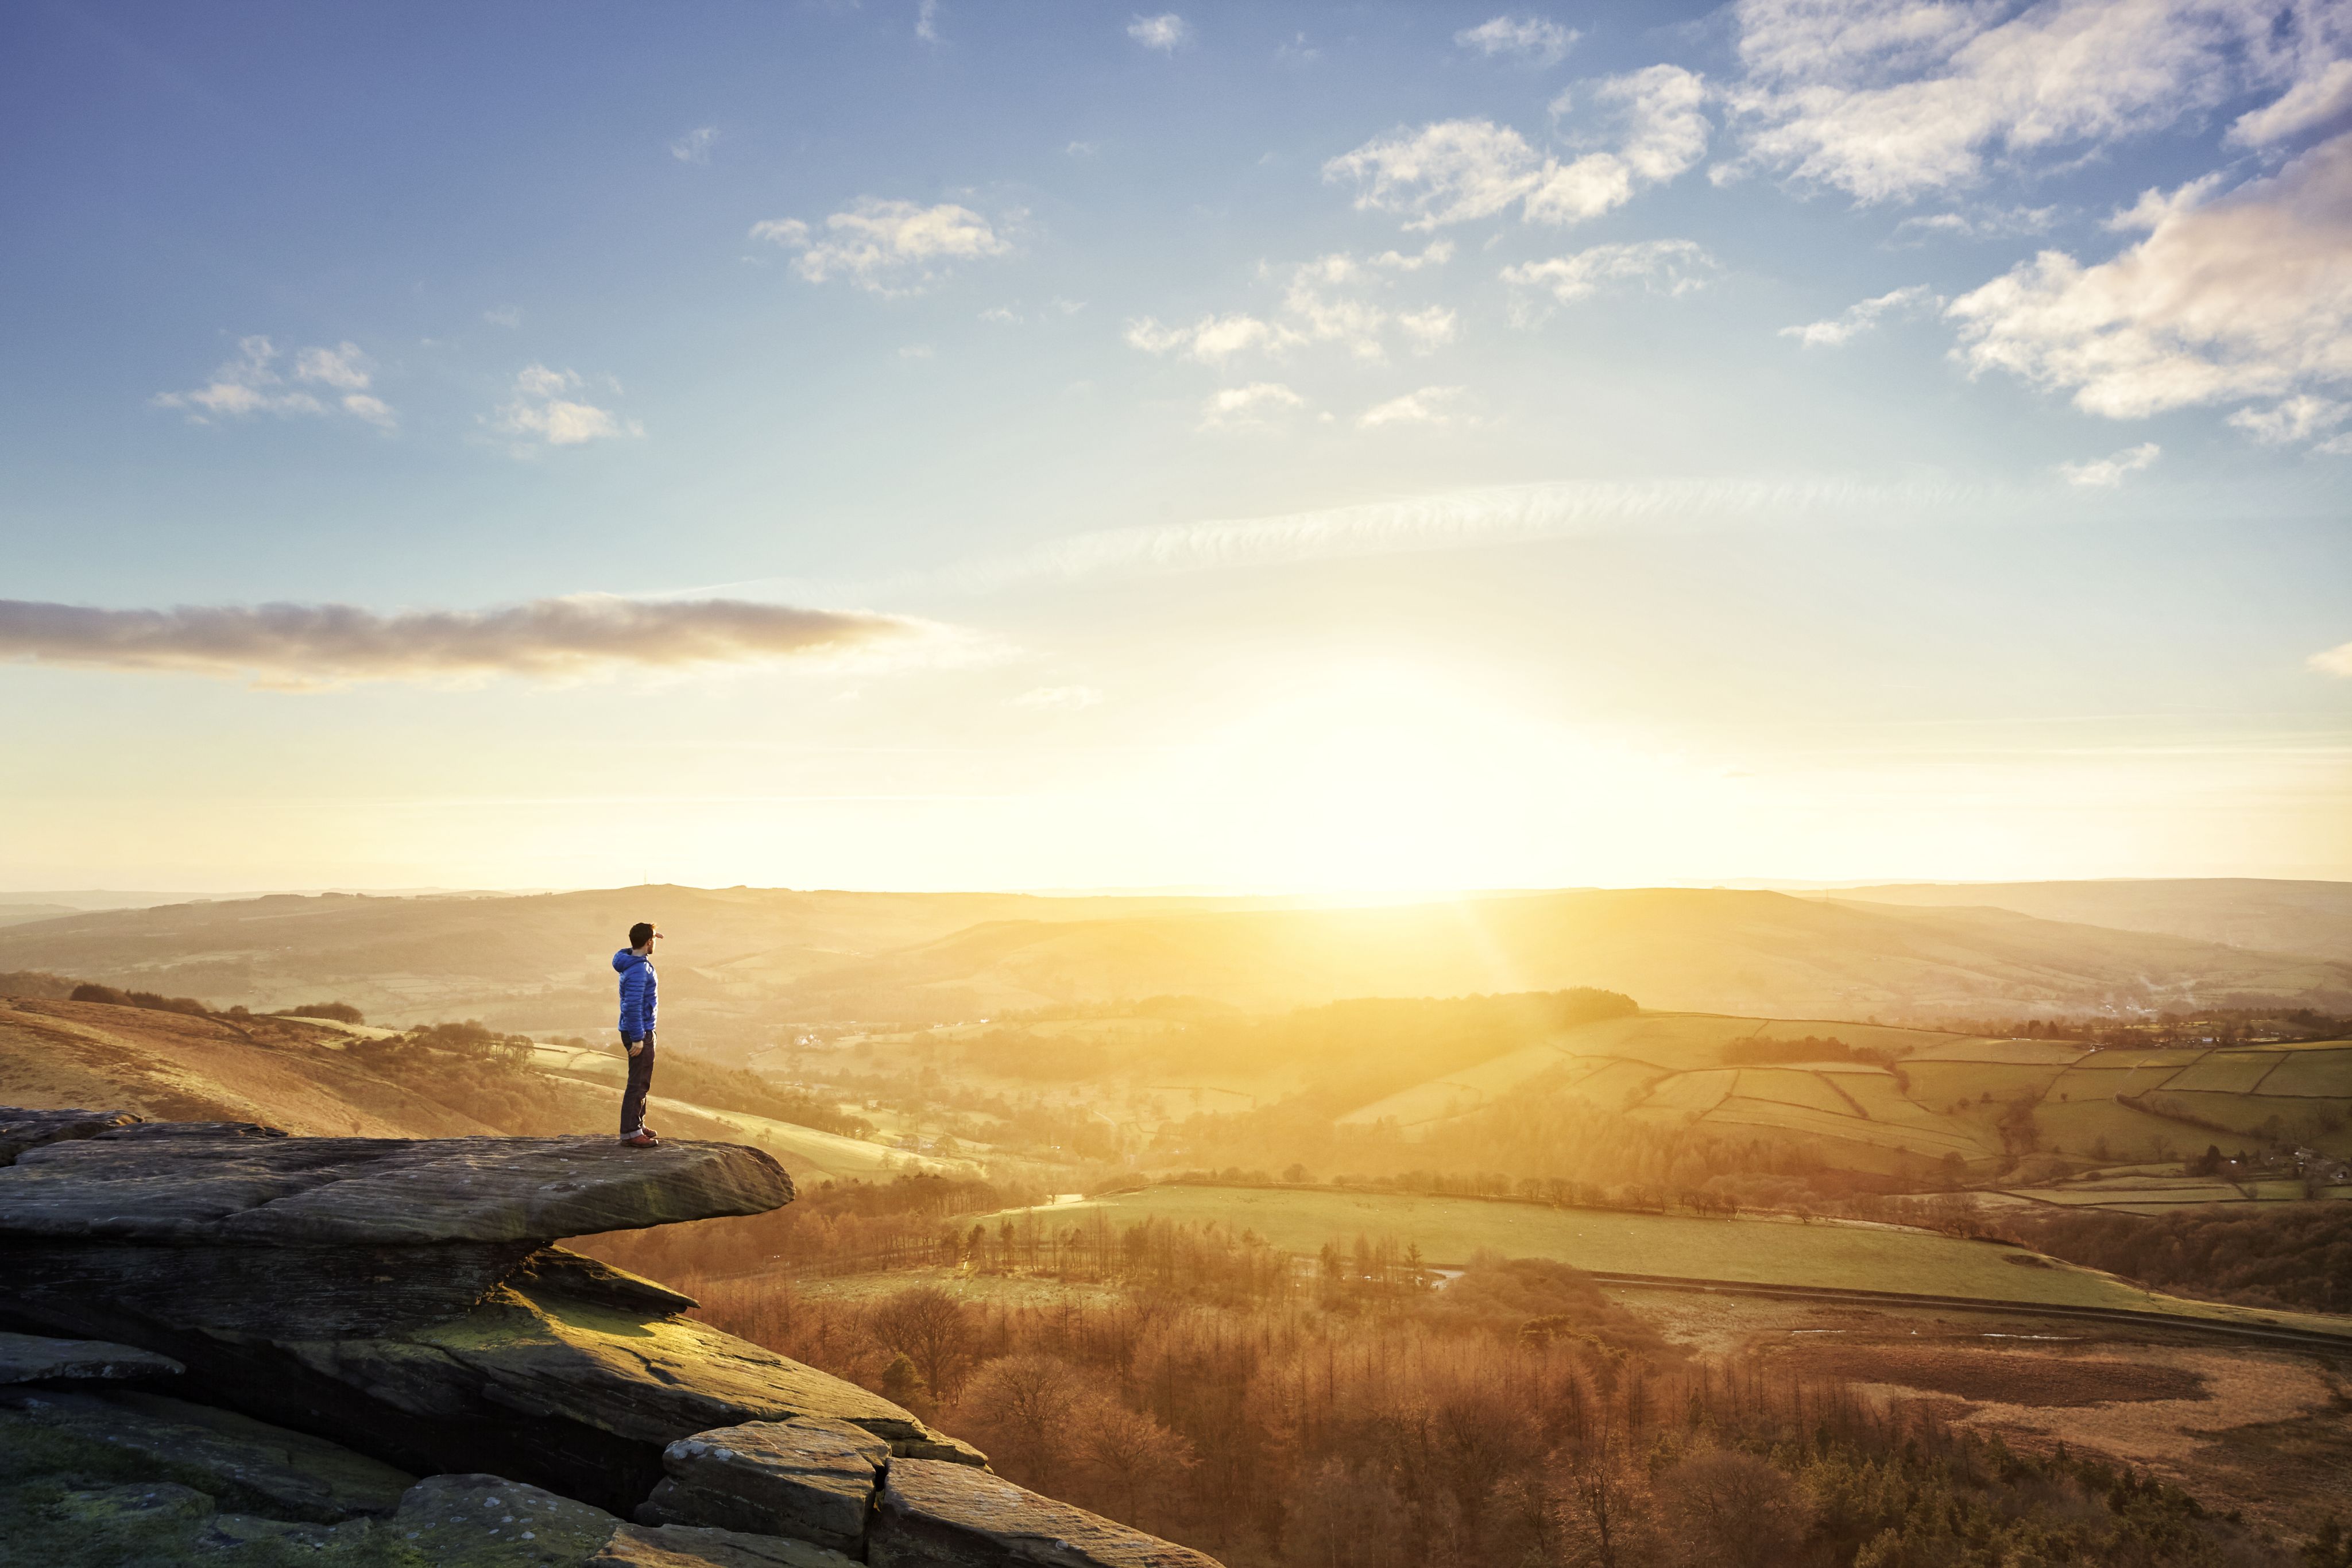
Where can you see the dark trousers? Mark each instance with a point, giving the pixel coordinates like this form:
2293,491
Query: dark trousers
641,1083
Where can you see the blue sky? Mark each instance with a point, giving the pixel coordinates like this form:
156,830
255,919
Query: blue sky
1267,446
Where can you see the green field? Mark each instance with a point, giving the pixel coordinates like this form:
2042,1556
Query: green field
1757,1251
1943,1095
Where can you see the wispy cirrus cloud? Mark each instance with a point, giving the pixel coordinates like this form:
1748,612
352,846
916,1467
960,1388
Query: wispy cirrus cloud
314,646
252,383
1669,267
1538,40
1462,519
694,147
886,246
2336,661
2106,473
1862,317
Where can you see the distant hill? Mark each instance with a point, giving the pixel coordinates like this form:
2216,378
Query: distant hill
1758,953
525,961
2313,917
742,963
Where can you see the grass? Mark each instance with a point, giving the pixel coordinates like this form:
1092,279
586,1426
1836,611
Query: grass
1943,1095
1755,1251
2324,1074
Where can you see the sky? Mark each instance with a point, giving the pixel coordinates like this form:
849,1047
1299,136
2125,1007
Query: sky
1325,448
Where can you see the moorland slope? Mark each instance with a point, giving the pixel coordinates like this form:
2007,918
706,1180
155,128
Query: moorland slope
313,1078
741,961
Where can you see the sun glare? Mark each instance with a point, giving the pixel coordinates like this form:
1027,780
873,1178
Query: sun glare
1388,778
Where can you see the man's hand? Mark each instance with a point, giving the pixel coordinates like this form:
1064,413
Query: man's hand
638,1048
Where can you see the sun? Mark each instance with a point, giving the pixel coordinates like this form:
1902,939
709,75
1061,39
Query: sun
1389,777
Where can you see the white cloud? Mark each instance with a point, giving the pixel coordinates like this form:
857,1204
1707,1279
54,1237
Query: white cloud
2300,418
1980,223
2248,295
2106,473
888,248
250,384
1456,171
694,147
2323,93
1325,305
374,410
1430,405
1166,32
1210,340
542,409
1447,173
1429,330
927,21
915,350
1248,408
1890,99
1437,253
311,646
1330,299
2336,661
504,316
341,366
1862,317
1462,519
1067,698
1670,266
1534,38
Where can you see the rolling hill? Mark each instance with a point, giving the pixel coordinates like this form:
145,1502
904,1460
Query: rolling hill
2312,917
743,963
1894,1098
1680,948
305,1076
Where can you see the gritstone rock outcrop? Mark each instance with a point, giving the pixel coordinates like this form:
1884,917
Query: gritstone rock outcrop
334,1317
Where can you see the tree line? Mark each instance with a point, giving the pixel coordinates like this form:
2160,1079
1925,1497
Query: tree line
1523,1421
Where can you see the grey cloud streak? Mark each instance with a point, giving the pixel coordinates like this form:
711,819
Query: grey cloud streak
310,646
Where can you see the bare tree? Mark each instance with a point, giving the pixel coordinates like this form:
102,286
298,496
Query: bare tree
1733,1508
1125,1450
1024,1407
932,1329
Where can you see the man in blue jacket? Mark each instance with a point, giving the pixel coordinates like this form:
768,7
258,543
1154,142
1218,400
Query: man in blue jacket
639,988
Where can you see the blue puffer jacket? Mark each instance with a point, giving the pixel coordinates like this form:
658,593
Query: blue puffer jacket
638,989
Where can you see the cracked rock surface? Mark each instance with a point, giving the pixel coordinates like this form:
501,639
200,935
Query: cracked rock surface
810,1477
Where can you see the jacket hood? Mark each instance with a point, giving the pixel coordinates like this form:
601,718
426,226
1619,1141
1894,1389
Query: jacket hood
628,959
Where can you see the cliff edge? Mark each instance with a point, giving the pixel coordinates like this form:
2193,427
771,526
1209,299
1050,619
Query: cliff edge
347,1314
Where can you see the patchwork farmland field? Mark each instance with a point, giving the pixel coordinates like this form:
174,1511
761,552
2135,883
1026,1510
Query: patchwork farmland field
1450,1230
1886,1098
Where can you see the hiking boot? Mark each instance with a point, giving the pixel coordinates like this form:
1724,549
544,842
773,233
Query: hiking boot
642,1138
